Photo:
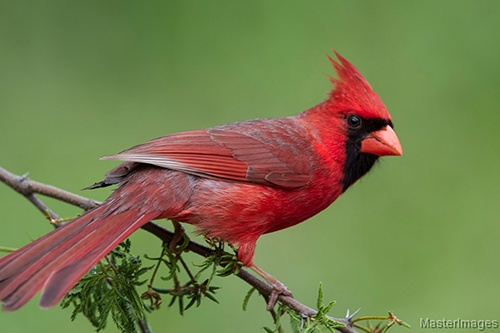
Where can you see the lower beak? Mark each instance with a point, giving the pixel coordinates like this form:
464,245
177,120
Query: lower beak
383,142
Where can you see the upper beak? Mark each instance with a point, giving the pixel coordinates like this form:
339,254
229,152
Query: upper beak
383,142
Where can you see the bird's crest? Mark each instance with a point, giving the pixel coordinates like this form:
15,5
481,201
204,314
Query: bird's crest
353,93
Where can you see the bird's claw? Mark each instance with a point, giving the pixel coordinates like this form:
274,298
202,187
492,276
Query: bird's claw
278,289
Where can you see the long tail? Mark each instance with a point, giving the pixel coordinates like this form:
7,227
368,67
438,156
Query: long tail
59,259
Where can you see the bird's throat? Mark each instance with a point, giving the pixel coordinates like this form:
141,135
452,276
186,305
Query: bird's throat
356,166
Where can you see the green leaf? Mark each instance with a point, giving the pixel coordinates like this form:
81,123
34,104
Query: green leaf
191,303
295,324
181,305
327,308
161,290
211,297
247,298
320,296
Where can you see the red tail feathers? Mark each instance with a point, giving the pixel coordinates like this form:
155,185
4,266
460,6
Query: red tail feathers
58,260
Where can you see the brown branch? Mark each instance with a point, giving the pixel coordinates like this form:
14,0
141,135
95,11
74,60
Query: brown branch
28,188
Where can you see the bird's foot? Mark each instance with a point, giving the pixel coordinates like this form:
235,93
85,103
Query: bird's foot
278,289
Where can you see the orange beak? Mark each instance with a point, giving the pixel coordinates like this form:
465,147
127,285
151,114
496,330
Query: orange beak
383,142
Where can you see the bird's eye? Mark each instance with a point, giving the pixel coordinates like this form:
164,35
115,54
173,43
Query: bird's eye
354,121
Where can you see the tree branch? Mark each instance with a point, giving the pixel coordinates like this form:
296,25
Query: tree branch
28,188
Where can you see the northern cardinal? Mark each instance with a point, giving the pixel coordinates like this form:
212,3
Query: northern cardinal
233,182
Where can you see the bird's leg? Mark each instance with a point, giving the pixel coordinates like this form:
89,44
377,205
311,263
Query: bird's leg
178,235
278,287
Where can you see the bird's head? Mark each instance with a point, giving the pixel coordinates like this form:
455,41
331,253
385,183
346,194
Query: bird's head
366,117
361,117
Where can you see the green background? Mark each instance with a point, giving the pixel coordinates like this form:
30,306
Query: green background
418,235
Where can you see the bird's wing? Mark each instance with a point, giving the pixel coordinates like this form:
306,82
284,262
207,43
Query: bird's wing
252,151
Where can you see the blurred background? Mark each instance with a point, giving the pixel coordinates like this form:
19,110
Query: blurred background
419,235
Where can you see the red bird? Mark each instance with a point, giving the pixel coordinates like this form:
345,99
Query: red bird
233,182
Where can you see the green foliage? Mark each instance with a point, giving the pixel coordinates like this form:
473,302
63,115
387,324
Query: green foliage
247,298
322,322
193,291
229,262
109,289
299,324
380,327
